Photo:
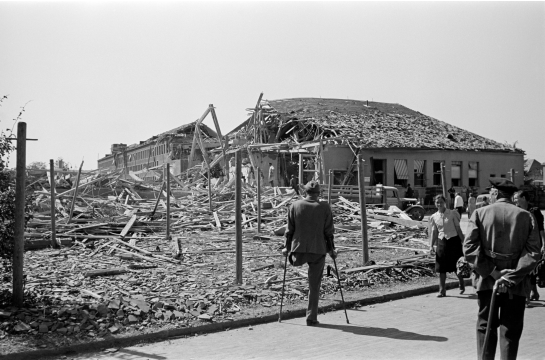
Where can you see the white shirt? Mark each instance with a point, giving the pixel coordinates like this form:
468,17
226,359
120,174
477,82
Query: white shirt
458,201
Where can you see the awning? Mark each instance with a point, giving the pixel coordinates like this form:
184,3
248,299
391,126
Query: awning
419,166
401,170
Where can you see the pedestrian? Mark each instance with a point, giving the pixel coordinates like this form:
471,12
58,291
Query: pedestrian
459,204
409,193
502,247
294,185
471,205
446,241
271,174
309,237
451,192
521,200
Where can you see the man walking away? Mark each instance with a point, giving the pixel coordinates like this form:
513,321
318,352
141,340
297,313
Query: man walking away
502,247
409,193
308,238
294,185
459,204
521,199
271,174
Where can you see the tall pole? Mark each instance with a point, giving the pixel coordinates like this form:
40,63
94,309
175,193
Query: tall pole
444,184
238,217
168,201
512,173
75,193
329,184
258,172
363,212
209,190
52,179
19,231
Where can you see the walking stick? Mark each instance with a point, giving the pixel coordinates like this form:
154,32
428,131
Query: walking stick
492,314
340,288
283,284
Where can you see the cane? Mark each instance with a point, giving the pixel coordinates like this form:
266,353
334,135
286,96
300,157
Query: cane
340,288
492,314
283,284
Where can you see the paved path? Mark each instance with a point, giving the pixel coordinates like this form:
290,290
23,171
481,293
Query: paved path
421,327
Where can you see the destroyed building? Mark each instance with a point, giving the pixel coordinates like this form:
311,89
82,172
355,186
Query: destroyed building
173,147
308,137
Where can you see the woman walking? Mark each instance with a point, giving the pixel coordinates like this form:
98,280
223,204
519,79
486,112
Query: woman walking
446,240
471,205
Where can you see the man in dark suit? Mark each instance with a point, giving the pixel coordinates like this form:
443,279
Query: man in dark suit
309,237
502,246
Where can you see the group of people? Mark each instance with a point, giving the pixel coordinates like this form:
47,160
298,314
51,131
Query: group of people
502,246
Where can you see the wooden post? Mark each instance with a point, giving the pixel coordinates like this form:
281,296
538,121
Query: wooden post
329,184
512,173
209,190
168,200
19,231
220,138
158,198
444,185
52,179
258,172
301,181
75,193
363,212
238,217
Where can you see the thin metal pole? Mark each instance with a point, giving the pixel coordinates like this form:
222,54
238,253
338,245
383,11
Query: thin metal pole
363,212
168,201
337,275
238,217
19,241
444,185
258,172
283,285
52,179
75,193
330,183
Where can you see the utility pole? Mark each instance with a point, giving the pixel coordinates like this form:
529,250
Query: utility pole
238,217
168,200
19,231
258,173
52,213
329,183
363,211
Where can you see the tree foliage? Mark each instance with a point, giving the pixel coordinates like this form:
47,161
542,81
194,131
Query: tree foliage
7,197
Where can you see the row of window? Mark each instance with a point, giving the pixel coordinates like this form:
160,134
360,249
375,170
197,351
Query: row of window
401,175
143,166
145,153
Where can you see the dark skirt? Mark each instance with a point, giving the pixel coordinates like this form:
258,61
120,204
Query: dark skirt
447,254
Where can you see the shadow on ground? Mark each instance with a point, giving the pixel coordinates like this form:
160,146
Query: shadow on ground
391,333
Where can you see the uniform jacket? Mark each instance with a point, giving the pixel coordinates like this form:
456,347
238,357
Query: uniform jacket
310,225
502,236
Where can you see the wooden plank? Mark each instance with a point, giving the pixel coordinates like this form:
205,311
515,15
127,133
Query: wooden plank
128,226
408,223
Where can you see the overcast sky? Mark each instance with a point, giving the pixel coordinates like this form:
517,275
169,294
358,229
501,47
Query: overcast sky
99,73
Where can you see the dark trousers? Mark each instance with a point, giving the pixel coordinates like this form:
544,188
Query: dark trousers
315,272
510,319
296,190
460,210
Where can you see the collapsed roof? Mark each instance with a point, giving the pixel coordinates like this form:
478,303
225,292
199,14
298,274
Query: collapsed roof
358,123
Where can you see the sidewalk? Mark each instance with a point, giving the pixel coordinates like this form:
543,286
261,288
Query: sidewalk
420,327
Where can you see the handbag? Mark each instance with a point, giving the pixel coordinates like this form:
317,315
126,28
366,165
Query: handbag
462,268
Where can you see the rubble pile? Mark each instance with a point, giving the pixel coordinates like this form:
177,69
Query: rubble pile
117,271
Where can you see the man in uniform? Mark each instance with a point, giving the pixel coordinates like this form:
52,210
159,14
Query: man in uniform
502,246
309,237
